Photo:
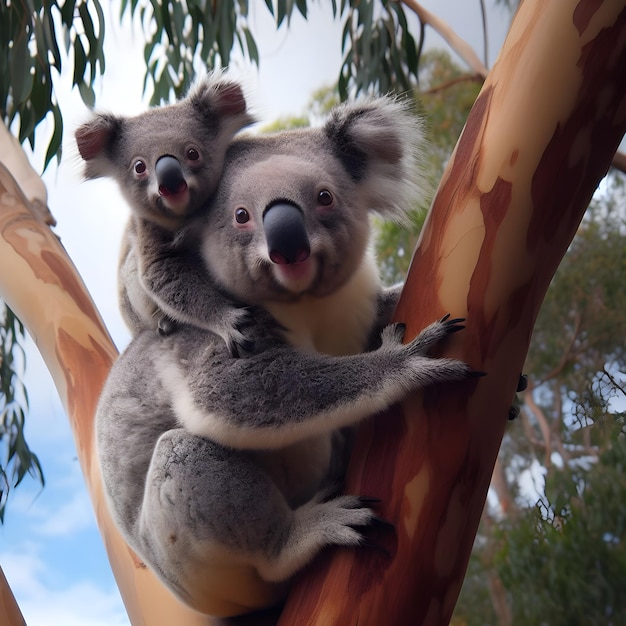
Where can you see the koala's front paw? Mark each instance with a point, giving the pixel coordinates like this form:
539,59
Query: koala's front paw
422,370
233,322
436,332
393,334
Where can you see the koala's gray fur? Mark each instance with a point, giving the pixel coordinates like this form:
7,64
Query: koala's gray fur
220,470
167,162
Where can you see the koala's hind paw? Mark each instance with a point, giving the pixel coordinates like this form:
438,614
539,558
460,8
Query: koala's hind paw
314,526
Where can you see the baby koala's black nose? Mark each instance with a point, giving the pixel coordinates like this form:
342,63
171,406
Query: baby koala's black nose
285,234
170,176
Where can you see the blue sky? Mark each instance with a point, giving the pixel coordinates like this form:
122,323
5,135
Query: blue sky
50,548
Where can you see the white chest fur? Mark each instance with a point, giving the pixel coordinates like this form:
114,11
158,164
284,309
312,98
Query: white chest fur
337,324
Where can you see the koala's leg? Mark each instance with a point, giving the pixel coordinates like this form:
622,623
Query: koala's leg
212,521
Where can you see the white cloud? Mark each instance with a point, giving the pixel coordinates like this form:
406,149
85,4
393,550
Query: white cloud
72,516
44,604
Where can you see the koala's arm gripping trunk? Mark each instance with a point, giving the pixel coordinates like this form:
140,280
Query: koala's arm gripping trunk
537,142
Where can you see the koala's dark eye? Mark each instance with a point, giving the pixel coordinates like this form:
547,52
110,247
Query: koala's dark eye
325,198
241,215
139,166
192,154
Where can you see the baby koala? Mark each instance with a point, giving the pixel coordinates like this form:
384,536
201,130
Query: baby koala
167,162
220,471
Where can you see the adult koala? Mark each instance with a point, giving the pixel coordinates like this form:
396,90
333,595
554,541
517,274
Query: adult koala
218,469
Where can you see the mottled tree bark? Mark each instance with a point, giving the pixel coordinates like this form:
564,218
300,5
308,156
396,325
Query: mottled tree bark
540,137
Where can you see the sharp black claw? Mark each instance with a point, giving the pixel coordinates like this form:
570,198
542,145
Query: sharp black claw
476,374
241,348
373,545
379,522
514,412
522,383
454,329
444,318
369,501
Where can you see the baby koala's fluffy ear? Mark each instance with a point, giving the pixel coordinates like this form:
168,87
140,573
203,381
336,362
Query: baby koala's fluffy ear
93,139
380,142
220,99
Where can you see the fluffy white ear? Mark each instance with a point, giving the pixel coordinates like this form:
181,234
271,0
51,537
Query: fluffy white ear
381,143
220,98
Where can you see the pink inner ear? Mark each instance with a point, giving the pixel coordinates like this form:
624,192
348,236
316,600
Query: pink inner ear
231,98
90,142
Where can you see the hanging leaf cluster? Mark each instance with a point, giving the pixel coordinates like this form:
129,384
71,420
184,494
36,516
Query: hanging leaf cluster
380,54
16,458
30,52
180,35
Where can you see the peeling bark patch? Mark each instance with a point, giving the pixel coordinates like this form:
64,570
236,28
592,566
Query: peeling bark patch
584,12
45,264
464,156
68,282
83,385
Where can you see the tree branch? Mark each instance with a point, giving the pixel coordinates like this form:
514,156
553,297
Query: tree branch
476,78
458,44
542,422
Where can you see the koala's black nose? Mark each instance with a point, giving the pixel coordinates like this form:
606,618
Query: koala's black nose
170,176
285,234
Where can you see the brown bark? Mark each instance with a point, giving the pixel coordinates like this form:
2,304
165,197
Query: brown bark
541,135
10,614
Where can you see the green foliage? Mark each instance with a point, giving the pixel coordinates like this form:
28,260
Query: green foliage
30,31
182,35
579,322
564,562
16,458
380,53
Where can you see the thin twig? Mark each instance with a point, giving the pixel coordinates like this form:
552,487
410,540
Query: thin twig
459,45
485,41
477,78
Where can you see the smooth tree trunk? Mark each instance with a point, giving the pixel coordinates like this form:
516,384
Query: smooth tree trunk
539,138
